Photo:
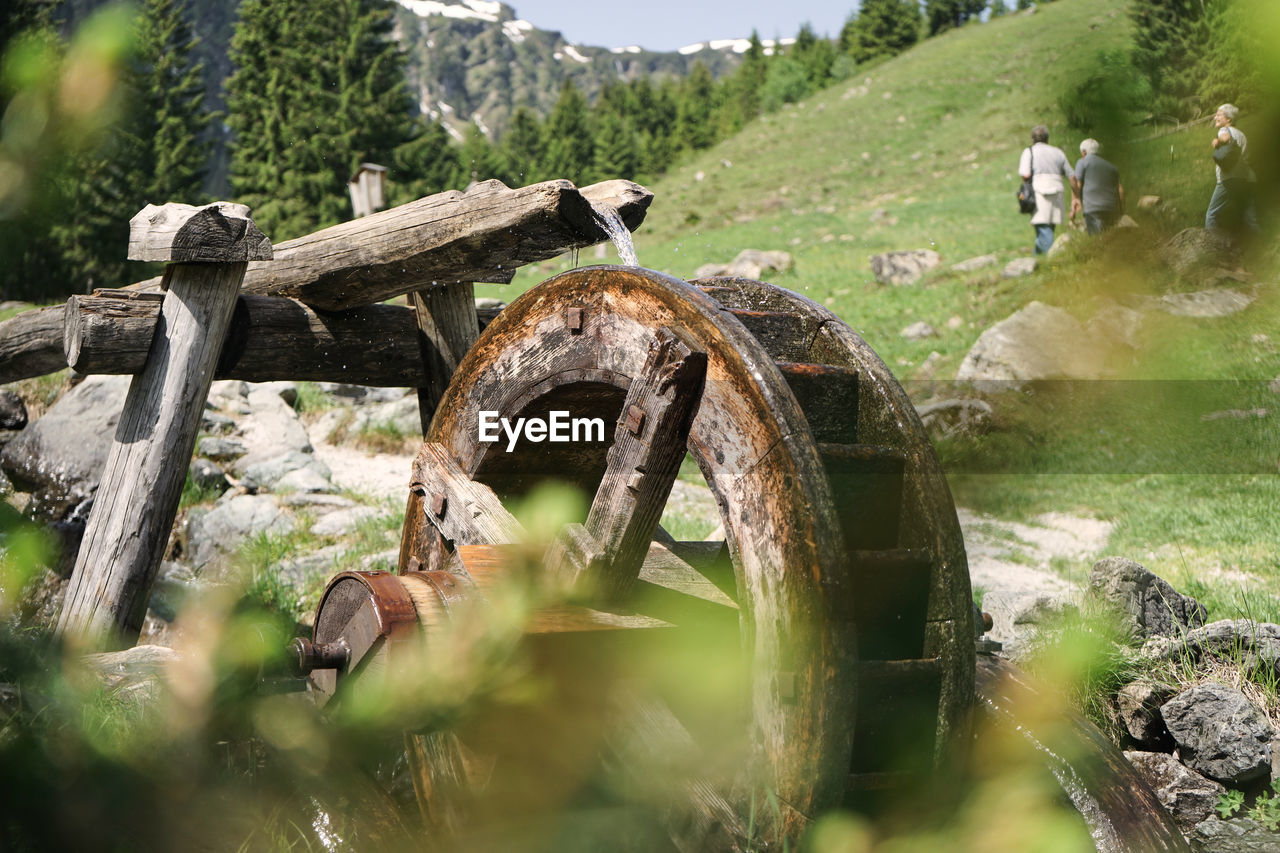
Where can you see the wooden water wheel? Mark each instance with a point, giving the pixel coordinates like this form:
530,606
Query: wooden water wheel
840,582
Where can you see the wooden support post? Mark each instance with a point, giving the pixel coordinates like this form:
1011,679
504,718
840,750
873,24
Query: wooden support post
447,328
207,249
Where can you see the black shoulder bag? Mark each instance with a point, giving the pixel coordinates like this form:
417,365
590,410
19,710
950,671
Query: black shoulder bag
1027,194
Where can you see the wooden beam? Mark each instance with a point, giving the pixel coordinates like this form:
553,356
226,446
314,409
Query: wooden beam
137,500
483,235
31,344
447,327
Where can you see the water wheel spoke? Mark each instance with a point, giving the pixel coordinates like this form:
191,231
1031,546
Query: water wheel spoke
464,511
604,555
671,588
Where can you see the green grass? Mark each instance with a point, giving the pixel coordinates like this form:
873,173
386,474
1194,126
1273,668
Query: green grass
1194,499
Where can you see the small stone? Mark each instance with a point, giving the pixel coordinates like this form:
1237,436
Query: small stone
975,263
343,521
13,412
1139,703
919,331
1019,267
904,267
207,475
1149,201
1238,835
221,449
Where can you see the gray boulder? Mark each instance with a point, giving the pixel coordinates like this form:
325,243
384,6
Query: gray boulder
750,263
1139,705
343,521
1036,342
221,449
903,267
1219,302
1186,795
1238,835
218,532
60,456
1144,604
272,431
1199,254
13,412
207,475
1220,733
1255,644
1117,325
268,474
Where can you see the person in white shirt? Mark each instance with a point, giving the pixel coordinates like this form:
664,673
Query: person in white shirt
1048,169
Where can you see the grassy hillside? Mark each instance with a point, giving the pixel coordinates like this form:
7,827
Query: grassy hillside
921,152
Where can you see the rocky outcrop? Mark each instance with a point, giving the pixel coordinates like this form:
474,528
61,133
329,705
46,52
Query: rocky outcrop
972,264
905,267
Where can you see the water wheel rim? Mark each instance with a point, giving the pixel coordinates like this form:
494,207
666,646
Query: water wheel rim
929,516
752,443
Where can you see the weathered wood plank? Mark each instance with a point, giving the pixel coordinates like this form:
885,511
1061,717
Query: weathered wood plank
31,344
146,466
481,235
221,232
447,327
464,511
270,338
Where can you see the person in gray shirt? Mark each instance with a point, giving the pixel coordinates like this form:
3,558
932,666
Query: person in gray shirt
1233,195
1097,189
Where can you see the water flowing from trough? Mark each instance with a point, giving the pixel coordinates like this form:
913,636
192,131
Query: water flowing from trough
608,219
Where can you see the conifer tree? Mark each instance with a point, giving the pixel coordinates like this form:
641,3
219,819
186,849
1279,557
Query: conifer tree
881,28
570,148
815,55
1169,40
319,87
480,160
170,118
430,164
943,15
749,79
523,148
655,117
617,148
695,128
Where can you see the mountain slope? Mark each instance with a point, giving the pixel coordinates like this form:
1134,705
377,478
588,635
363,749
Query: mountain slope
476,61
